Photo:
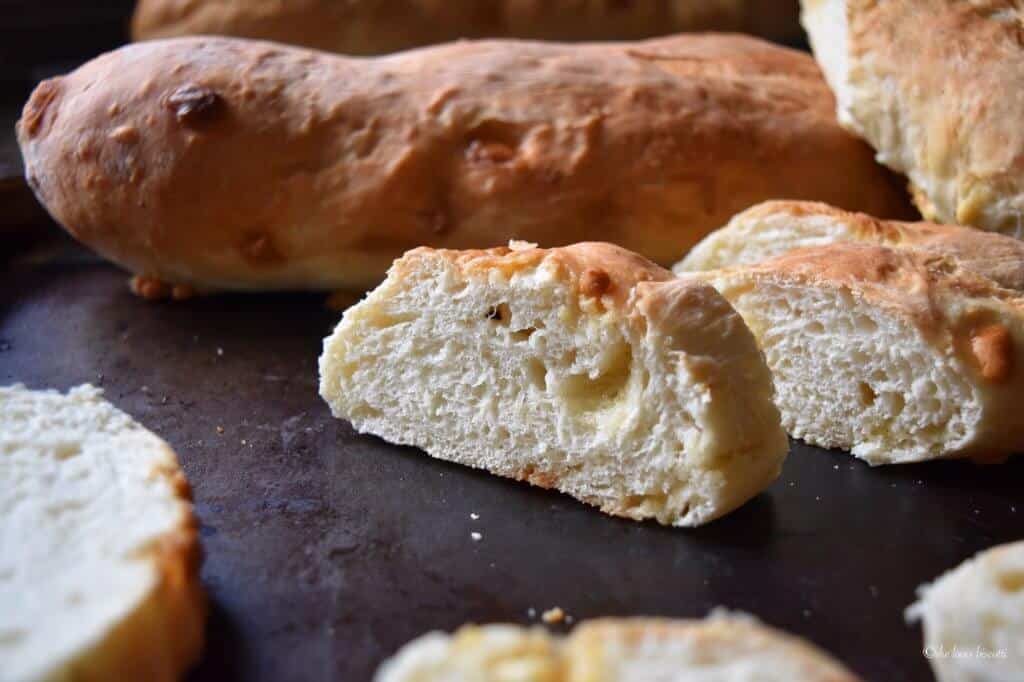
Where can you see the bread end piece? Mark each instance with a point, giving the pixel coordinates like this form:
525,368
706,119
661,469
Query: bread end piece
586,369
102,587
723,645
973,618
894,354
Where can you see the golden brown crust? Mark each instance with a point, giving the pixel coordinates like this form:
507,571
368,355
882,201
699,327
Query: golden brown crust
995,256
380,26
933,85
257,166
596,270
725,638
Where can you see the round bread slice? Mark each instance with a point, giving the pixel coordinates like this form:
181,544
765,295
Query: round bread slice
775,227
932,85
721,648
99,555
894,354
973,618
587,369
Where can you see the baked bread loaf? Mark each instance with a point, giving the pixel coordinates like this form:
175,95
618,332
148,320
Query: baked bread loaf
99,553
219,164
721,648
973,618
586,369
932,85
897,355
775,227
379,26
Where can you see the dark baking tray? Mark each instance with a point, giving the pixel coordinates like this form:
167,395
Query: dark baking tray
326,550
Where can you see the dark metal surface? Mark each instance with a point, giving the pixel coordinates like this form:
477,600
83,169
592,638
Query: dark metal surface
327,550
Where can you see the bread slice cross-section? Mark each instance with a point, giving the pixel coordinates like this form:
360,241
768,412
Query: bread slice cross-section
774,227
897,355
973,618
99,550
587,369
724,647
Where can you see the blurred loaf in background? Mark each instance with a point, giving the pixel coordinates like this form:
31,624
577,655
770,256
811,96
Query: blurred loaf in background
363,27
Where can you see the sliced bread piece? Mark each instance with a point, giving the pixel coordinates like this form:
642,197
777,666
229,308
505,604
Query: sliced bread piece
721,648
774,227
587,369
894,354
99,555
973,618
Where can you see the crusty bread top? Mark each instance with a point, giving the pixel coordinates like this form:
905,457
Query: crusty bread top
935,86
225,163
723,646
595,269
959,309
747,648
996,256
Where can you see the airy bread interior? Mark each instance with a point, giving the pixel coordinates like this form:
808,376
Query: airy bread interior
92,521
520,375
977,609
853,375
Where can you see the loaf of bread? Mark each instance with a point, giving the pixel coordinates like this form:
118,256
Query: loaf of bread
973,618
222,164
99,553
721,648
586,369
775,227
932,85
897,355
377,26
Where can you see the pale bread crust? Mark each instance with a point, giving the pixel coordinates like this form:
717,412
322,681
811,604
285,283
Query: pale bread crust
381,26
996,256
722,646
968,319
161,637
934,86
691,319
224,164
973,618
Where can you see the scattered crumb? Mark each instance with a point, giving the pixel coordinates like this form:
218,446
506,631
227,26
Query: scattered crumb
531,613
836,467
477,537
474,516
220,351
1013,509
807,613
220,429
553,615
243,442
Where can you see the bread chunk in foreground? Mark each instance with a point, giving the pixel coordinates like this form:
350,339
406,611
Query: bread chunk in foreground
586,369
775,227
895,355
721,648
973,618
99,553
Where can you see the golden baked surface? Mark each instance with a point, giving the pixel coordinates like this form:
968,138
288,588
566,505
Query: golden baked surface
937,88
774,227
215,163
